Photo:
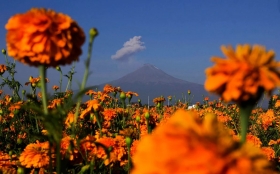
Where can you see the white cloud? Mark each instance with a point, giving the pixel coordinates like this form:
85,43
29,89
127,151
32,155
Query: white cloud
129,48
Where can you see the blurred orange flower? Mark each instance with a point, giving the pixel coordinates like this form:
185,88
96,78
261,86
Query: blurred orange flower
44,37
202,146
55,87
244,75
3,68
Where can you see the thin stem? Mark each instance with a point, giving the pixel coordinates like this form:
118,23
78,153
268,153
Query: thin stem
42,71
60,81
93,34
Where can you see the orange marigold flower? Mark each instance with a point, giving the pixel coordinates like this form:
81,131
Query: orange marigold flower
68,149
35,155
274,97
266,119
117,153
130,94
269,152
202,146
55,87
55,103
108,115
133,147
159,100
108,88
7,161
254,140
14,108
273,142
277,103
92,106
35,81
8,170
3,68
69,119
244,75
91,92
44,37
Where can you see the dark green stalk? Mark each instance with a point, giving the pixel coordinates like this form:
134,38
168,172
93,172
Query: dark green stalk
245,112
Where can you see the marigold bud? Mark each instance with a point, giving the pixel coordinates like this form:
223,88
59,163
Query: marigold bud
138,118
4,51
93,32
128,141
122,96
147,115
58,68
20,170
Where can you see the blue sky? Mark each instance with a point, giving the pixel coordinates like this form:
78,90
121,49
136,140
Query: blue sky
177,36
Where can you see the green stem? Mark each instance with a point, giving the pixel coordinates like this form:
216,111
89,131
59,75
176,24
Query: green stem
245,112
93,34
98,122
129,160
58,158
60,81
42,71
148,127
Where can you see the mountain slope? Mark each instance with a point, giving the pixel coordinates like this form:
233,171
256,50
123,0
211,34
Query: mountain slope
150,82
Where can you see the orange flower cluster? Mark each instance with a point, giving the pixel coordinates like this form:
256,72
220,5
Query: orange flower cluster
244,75
7,161
44,37
108,115
266,119
269,152
115,146
68,151
35,155
202,146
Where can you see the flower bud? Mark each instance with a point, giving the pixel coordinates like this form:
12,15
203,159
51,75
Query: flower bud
58,68
93,32
4,51
147,115
128,141
122,96
23,92
20,170
10,153
158,104
84,168
138,118
19,141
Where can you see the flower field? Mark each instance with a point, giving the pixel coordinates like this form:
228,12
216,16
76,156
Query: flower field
60,133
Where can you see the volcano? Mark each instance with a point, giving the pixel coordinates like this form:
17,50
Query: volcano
151,82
